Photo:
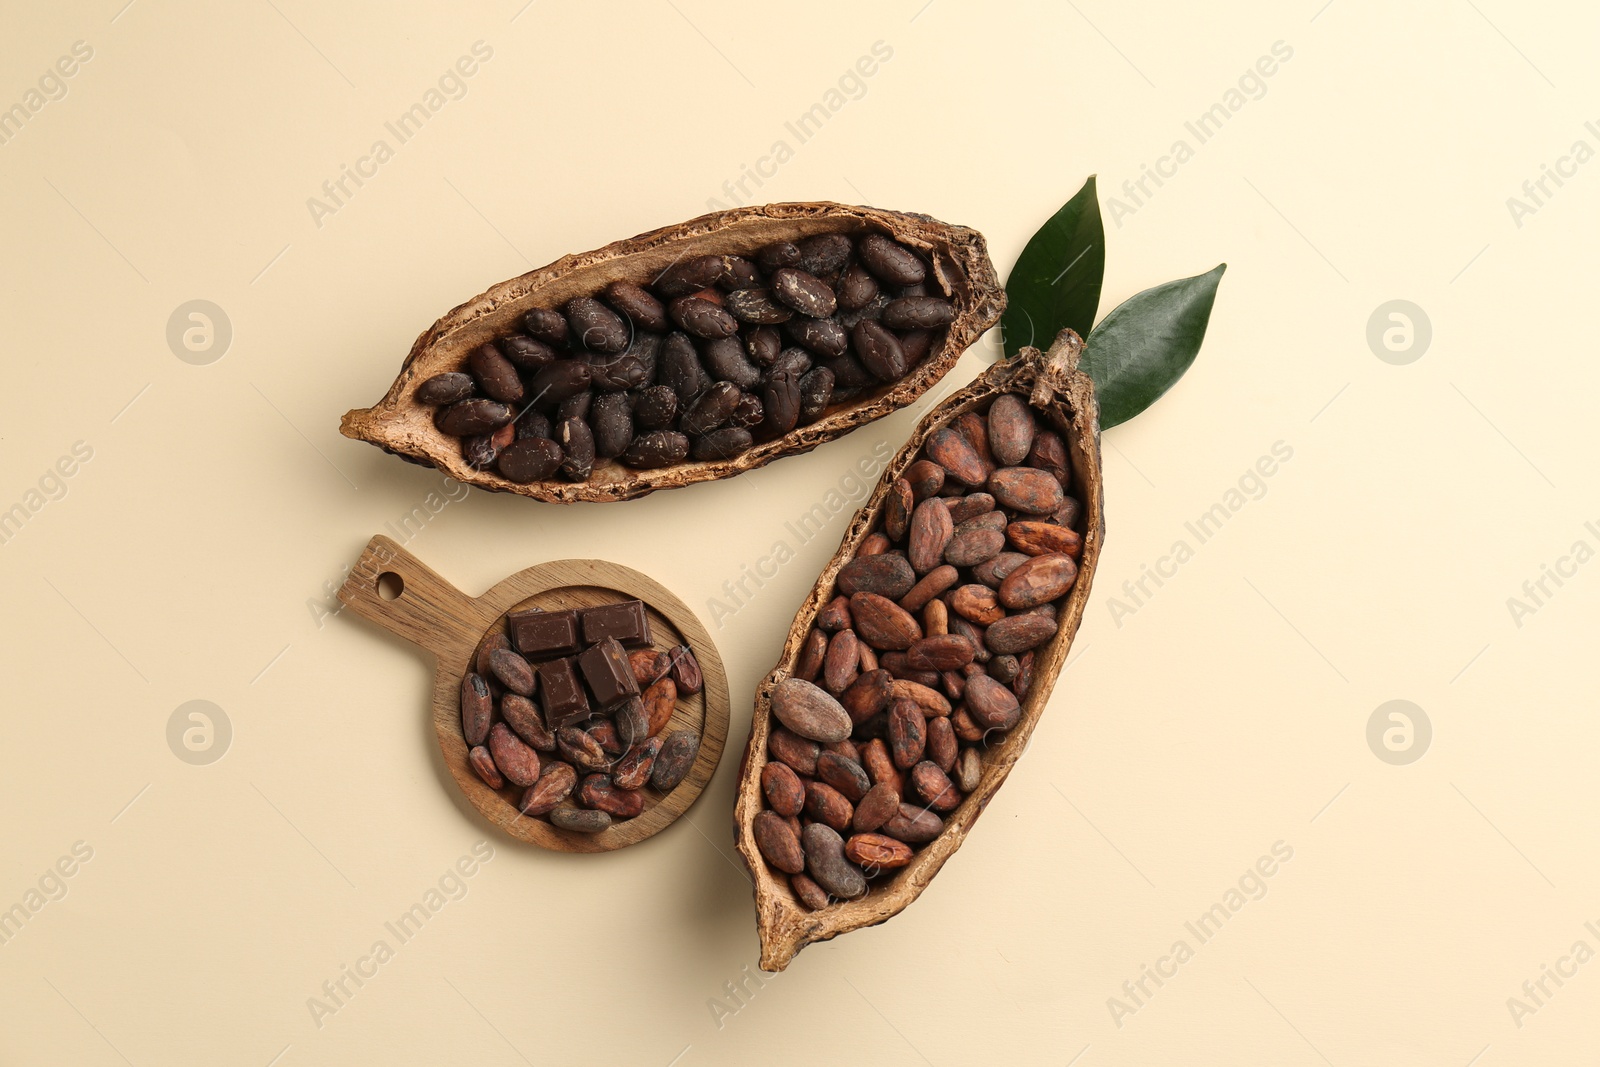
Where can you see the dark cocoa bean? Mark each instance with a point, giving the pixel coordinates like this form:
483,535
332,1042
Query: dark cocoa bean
467,418
856,288
595,326
784,791
477,708
680,370
816,393
547,325
826,862
577,448
879,351
803,292
726,360
677,756
885,574
702,318
555,784
637,305
722,444
824,337
918,313
559,380
825,254
658,448
445,388
690,276
756,307
890,261
913,824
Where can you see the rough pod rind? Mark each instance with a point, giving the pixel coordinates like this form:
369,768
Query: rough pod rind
1062,398
404,427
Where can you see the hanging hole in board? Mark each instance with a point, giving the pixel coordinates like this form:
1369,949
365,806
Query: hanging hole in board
390,585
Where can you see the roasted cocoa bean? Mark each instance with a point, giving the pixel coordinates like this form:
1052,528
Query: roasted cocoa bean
555,784
1025,489
809,664
828,806
1038,581
887,575
580,820
579,748
890,261
809,712
930,586
841,665
942,745
908,733
677,756
991,705
816,393
475,415
595,326
483,766
777,842
784,791
512,671
477,708
1042,538
1019,633
518,762
918,313
930,531
803,292
835,614
633,770
726,360
876,807
948,448
445,388
844,774
913,824
946,652
882,623
757,307
808,892
867,695
879,351
826,862
659,448
649,666
690,275
699,317
978,604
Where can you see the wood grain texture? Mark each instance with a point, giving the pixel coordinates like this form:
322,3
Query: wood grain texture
1063,397
433,614
961,268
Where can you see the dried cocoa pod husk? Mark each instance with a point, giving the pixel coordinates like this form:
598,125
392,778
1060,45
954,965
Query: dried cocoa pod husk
1061,400
958,269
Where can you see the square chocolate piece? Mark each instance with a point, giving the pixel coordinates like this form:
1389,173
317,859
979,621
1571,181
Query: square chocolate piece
539,634
564,699
625,621
605,667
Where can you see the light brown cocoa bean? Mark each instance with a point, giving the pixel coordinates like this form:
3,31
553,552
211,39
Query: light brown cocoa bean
995,570
946,652
978,604
599,792
951,450
935,623
556,782
866,657
782,787
930,586
1011,429
954,683
846,748
477,708
809,664
809,711
908,733
970,507
1049,453
604,731
880,803
660,699
494,642
581,749
798,752
580,820
512,671
808,892
677,756
874,852
826,862
882,623
969,770
965,727
930,531
974,633
1040,538
1025,489
934,787
873,545
867,695
844,774
522,715
842,663
942,744
975,429
925,477
483,766
1038,581
991,705
887,574
913,824
897,508
927,699
828,806
1019,633
835,615
880,765
517,762
649,665
777,843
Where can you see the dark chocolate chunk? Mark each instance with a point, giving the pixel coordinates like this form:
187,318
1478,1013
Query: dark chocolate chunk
564,699
605,667
625,621
544,633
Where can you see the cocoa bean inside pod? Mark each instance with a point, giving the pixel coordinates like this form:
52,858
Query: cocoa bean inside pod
968,651
628,318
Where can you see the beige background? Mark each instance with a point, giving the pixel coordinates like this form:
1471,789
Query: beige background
189,557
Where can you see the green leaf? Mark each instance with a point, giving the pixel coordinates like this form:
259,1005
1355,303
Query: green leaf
1056,282
1147,343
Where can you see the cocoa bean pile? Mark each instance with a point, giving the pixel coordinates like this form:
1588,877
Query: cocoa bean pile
700,361
925,651
578,740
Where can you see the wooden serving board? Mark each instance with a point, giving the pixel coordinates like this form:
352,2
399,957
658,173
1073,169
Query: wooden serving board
396,590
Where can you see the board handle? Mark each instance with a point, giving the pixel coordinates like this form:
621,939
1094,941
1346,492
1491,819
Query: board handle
393,588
